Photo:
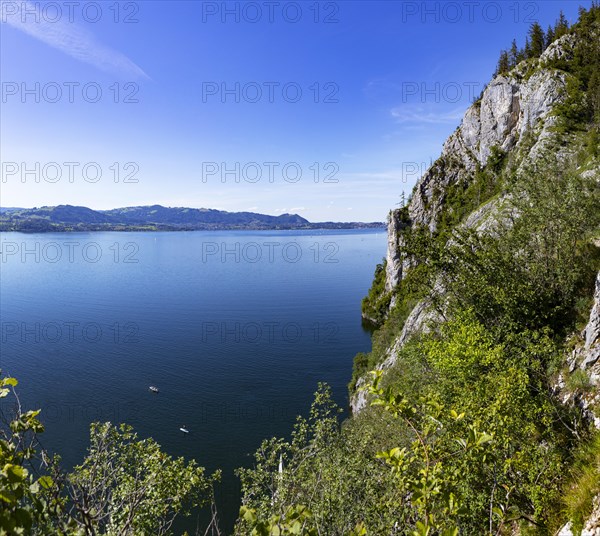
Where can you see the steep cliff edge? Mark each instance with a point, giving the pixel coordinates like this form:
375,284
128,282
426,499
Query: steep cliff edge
510,107
515,121
542,110
513,110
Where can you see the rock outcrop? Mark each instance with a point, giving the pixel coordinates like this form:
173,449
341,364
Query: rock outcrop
511,106
393,267
586,357
591,527
592,333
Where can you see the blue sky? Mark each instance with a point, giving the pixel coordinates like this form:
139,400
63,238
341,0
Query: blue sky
326,109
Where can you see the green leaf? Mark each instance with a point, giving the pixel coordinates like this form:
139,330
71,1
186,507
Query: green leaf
15,473
46,482
9,381
7,496
248,514
484,438
422,529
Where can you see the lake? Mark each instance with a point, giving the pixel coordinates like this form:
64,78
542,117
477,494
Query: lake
235,328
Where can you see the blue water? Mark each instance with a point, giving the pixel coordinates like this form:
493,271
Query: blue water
235,328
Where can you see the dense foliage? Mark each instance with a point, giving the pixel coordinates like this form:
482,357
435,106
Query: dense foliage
23,496
476,441
125,485
377,300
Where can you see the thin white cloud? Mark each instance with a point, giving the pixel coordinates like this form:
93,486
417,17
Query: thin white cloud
381,85
418,114
72,40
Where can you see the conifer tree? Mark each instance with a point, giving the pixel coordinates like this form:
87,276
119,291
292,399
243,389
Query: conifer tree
514,54
562,26
537,40
503,63
550,36
527,50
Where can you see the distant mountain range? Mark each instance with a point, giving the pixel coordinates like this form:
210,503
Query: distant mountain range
65,218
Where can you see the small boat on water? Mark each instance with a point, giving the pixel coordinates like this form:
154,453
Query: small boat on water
153,389
184,429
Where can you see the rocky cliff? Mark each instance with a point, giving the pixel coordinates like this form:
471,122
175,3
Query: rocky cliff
514,116
518,120
510,107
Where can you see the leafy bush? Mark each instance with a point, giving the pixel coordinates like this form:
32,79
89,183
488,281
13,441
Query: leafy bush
26,496
375,304
330,470
128,485
125,485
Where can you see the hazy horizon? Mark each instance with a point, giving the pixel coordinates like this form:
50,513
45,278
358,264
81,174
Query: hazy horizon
167,206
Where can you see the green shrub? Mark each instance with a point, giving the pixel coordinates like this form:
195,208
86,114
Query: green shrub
375,305
579,381
583,484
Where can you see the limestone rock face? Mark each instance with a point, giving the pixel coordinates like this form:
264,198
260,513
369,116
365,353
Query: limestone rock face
358,401
511,106
592,330
588,356
393,267
560,50
417,322
508,109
